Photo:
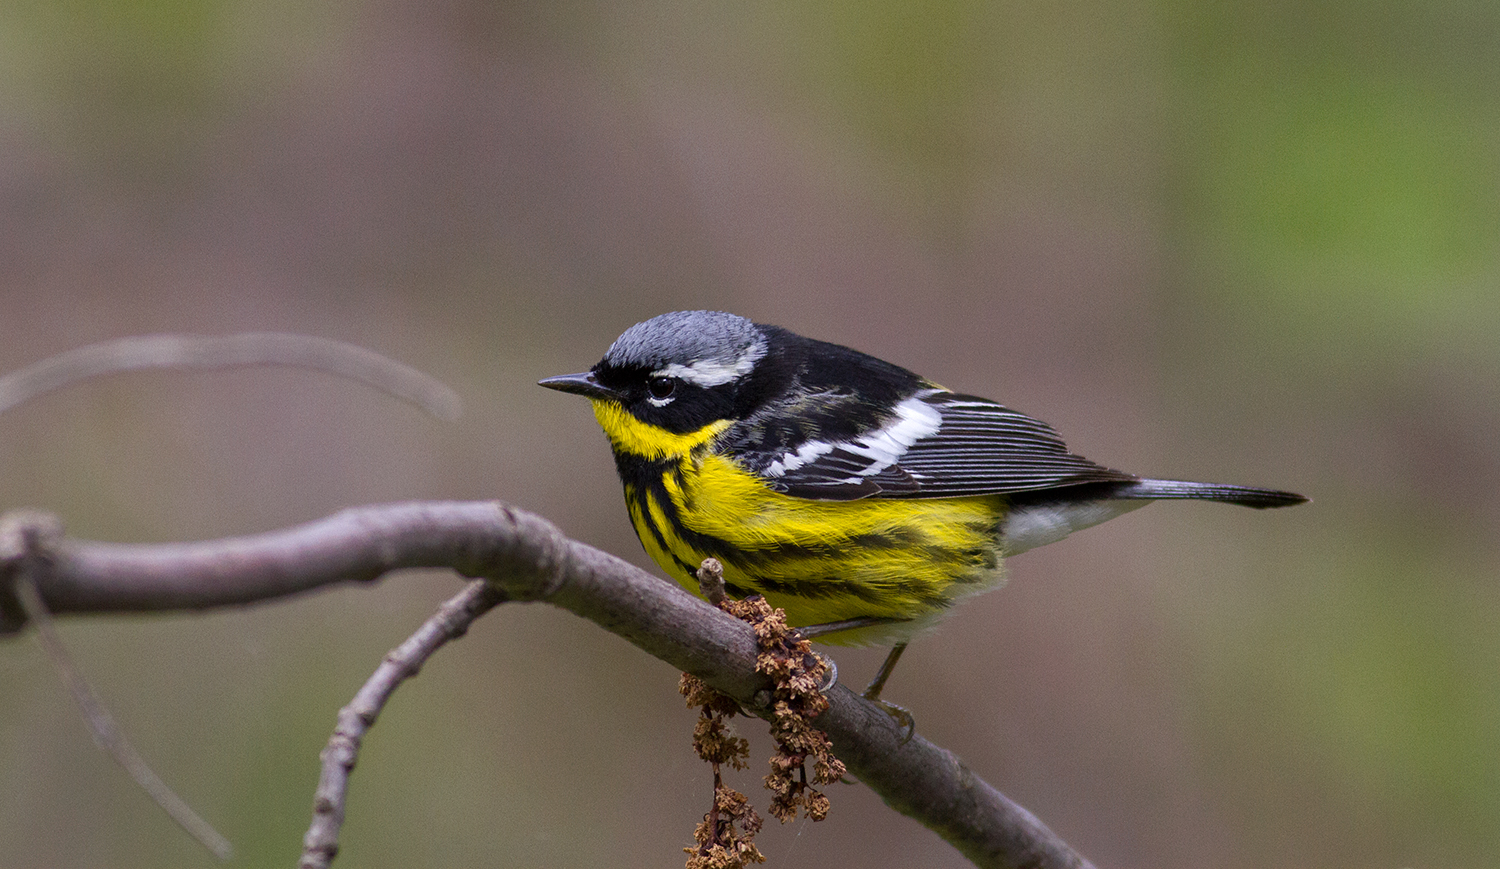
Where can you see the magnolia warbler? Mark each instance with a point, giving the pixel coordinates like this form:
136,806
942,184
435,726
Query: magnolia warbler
861,498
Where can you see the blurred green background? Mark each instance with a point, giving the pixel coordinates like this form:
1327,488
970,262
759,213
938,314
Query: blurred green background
1251,241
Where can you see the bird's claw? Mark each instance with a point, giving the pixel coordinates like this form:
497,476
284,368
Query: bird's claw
901,715
830,673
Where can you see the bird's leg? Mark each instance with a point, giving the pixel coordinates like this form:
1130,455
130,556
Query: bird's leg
812,632
872,694
872,690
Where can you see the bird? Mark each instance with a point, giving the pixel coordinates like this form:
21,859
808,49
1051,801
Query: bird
858,496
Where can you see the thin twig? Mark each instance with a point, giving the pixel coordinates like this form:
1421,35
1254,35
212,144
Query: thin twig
106,733
401,663
229,351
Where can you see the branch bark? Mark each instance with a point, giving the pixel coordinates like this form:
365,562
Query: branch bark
523,557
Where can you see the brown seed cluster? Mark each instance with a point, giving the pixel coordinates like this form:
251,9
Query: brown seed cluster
725,839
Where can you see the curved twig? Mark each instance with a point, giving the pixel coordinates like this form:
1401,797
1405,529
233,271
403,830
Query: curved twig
229,351
102,725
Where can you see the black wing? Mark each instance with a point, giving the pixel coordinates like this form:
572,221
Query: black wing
938,445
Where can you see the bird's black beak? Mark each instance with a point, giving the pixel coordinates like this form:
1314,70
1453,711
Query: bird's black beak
585,384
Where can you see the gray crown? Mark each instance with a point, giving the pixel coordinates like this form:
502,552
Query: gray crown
685,338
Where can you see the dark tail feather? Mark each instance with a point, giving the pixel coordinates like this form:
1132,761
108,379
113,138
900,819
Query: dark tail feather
1245,496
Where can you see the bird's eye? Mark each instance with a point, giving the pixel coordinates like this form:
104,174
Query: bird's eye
661,388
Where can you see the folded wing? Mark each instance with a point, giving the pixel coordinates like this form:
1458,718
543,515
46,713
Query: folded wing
938,444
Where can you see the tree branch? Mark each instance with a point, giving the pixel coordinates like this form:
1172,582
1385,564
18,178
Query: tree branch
525,558
451,620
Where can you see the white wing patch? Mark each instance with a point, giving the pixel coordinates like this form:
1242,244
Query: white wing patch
915,419
708,373
792,461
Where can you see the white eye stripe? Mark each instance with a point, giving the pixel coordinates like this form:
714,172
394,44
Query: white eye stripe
714,372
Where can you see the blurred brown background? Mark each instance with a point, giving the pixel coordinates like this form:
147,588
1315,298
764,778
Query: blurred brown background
1258,244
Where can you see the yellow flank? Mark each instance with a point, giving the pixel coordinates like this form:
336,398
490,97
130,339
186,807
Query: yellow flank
821,561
